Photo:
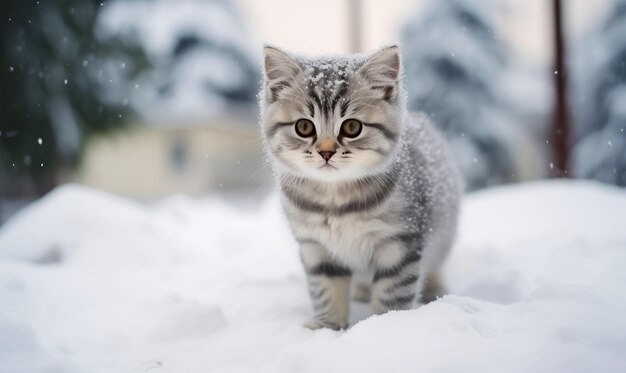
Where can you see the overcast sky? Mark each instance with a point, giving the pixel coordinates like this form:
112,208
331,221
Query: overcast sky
321,26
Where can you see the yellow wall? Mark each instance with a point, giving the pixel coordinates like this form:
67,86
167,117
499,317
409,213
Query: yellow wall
139,162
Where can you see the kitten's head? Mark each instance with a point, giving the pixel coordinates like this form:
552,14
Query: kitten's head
331,118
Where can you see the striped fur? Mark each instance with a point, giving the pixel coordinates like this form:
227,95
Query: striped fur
384,205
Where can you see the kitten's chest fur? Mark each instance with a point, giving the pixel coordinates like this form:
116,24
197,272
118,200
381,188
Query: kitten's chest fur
350,237
352,240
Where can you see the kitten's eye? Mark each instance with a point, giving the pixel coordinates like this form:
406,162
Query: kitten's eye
351,128
305,128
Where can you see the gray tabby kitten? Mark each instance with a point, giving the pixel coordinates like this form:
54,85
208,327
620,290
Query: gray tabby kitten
367,188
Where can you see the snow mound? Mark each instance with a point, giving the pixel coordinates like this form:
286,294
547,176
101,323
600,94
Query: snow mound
91,282
61,223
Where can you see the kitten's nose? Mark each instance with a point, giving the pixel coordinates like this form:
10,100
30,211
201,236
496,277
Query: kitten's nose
326,155
326,148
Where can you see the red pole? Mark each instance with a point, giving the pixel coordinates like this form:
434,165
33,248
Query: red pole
561,119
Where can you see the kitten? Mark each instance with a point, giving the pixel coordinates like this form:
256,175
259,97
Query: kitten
366,186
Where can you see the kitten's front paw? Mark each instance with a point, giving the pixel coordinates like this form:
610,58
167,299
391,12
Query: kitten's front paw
318,324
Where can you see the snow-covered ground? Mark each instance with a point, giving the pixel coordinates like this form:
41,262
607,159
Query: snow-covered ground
90,282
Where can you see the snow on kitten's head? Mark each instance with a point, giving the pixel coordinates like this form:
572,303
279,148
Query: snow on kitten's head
332,117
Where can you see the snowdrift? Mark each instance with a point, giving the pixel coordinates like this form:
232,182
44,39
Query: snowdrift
90,282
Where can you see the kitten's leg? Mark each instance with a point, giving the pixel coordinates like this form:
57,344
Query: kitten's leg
361,287
329,287
396,274
433,287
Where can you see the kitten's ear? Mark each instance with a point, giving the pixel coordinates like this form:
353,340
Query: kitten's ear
382,71
280,70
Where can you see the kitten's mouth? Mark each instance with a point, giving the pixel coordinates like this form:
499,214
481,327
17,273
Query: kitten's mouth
327,166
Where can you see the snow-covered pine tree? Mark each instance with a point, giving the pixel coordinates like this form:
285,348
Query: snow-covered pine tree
204,63
454,63
599,151
59,84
